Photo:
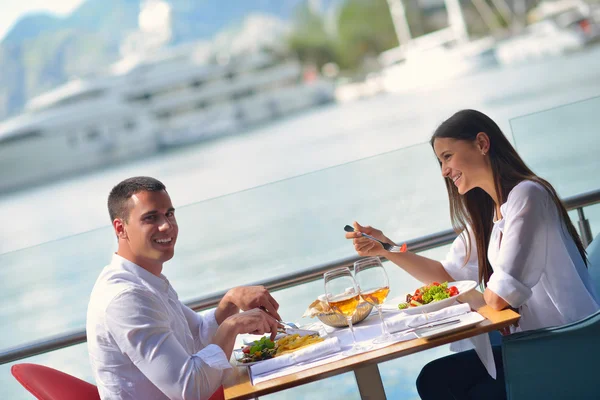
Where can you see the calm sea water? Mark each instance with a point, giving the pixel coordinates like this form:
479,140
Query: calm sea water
236,228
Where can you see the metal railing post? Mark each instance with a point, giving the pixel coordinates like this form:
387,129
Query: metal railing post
584,228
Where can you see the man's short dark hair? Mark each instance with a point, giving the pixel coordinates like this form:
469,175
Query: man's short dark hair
119,195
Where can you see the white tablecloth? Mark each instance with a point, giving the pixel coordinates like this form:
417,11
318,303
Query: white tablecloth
340,339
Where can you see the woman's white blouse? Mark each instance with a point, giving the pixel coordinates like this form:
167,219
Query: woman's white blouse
536,265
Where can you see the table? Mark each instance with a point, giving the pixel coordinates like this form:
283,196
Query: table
237,385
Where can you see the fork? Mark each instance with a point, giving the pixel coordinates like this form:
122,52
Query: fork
287,325
388,247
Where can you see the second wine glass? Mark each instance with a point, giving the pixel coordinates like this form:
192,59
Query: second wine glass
374,288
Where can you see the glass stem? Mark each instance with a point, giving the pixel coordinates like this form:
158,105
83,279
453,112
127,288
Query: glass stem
384,328
351,329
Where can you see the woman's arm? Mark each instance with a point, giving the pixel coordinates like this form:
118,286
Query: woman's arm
422,268
522,256
493,300
454,268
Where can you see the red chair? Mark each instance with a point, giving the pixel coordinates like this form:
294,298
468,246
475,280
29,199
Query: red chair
49,384
218,395
46,383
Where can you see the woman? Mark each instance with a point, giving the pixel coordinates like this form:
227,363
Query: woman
516,239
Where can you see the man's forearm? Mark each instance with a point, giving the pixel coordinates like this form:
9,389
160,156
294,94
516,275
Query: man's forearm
225,338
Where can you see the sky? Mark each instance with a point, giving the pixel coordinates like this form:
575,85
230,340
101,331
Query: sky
12,10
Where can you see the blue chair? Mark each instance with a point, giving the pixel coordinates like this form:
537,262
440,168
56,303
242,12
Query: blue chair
593,251
556,363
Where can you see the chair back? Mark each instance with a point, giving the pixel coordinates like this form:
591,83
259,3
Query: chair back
550,363
218,395
46,383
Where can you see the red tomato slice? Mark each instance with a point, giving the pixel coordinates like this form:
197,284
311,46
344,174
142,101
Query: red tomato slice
453,290
246,350
418,298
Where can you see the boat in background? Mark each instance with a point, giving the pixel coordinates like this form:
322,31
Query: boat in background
78,127
557,27
434,58
150,100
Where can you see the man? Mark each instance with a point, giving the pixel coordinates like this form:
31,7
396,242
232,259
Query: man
143,342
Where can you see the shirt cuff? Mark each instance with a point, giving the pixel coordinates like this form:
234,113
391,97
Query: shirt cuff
209,325
214,357
510,289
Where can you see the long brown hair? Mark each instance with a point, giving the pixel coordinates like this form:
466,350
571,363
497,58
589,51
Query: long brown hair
475,209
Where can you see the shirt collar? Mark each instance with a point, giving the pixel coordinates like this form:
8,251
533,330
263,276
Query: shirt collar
158,282
499,223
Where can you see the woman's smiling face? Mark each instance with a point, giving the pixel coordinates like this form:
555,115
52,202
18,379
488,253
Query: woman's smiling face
463,162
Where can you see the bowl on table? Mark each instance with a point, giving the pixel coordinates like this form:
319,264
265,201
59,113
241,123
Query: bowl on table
338,321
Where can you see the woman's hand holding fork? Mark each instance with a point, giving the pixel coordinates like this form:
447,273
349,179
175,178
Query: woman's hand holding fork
364,246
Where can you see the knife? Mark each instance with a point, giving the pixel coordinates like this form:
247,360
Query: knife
431,325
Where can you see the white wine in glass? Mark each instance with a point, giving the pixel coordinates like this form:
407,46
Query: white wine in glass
345,304
342,295
374,288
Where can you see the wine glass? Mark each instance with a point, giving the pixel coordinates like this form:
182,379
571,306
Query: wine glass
343,296
374,288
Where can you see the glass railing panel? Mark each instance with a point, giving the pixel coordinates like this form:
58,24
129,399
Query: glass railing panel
236,239
561,145
297,223
45,288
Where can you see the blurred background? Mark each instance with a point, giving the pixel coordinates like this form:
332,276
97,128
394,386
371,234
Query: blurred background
273,123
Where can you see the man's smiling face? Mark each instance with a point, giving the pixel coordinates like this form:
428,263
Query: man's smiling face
150,231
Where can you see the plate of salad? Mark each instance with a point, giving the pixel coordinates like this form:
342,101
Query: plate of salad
258,351
432,297
265,348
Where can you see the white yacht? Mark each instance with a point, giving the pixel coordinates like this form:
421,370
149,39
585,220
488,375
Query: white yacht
435,58
191,99
557,27
79,126
168,97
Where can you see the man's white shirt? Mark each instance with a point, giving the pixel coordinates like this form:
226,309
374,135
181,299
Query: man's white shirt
143,343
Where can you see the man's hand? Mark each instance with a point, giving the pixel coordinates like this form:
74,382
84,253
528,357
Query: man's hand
246,298
254,321
249,297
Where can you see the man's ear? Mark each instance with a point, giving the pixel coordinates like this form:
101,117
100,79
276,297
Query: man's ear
119,226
